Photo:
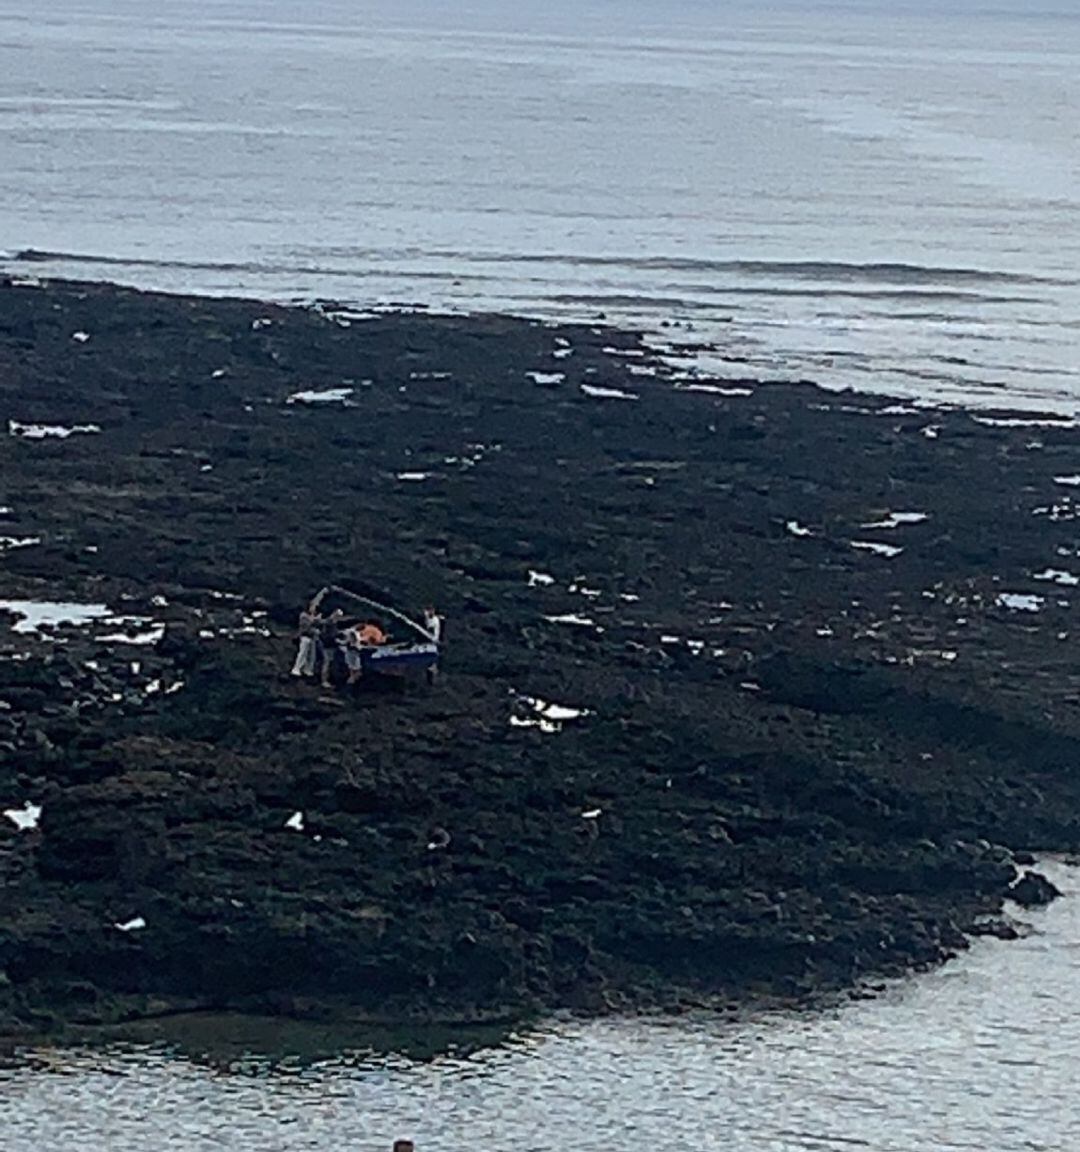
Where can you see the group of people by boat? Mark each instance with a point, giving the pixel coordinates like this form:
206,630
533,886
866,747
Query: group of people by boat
331,640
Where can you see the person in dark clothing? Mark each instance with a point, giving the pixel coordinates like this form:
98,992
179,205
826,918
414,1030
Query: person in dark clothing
328,645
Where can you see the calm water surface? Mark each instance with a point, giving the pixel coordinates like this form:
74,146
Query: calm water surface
871,193
982,1054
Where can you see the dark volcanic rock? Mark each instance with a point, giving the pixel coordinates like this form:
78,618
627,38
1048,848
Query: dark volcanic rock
796,758
1033,889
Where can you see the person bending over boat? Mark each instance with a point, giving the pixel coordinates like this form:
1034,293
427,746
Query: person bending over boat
367,634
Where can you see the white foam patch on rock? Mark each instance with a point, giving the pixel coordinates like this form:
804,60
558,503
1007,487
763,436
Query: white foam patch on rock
583,590
1024,422
37,614
598,393
897,519
1057,576
546,377
149,635
715,389
326,396
49,431
1020,601
25,818
571,618
889,550
540,579
545,715
1056,512
797,529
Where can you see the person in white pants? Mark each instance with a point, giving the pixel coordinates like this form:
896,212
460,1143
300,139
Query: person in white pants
308,635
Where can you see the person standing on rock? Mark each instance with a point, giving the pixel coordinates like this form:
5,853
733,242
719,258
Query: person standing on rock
327,644
433,626
307,631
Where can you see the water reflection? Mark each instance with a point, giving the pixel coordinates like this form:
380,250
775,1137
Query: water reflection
980,1055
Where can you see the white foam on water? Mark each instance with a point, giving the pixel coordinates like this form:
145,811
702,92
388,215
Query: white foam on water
889,550
80,337
598,393
546,377
1020,601
540,579
49,431
414,477
562,353
10,543
25,818
135,924
261,322
797,529
1070,481
1057,576
324,396
896,519
295,822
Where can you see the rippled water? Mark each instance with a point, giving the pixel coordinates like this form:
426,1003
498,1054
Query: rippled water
870,193
982,1054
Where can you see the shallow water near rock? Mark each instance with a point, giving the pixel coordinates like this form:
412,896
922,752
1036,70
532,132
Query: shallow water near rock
979,1054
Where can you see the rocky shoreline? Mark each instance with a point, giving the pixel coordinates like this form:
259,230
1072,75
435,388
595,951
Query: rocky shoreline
821,647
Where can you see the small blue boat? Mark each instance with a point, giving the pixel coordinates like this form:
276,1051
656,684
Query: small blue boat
392,659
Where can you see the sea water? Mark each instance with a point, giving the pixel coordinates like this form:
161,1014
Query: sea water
881,194
978,1055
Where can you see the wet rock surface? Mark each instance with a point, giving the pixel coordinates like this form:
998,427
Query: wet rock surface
797,759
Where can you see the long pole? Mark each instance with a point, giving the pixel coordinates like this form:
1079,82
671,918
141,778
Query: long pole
383,608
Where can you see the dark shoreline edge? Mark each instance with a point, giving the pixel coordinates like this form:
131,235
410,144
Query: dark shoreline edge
803,792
